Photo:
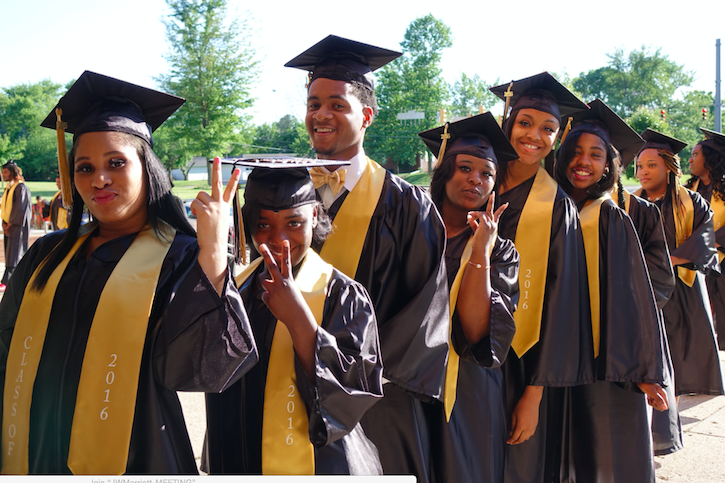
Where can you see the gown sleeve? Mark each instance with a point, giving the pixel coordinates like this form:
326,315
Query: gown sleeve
20,214
699,248
631,348
205,340
647,221
491,350
348,367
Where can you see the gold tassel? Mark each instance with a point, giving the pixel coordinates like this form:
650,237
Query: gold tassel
566,130
63,166
445,137
508,95
240,247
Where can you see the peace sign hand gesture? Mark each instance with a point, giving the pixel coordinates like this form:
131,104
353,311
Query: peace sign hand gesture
485,226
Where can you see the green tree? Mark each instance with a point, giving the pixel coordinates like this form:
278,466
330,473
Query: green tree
412,82
684,117
212,65
22,108
469,94
288,135
640,78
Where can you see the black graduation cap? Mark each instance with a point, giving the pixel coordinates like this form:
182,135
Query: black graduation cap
274,184
714,140
656,140
479,136
541,92
342,59
600,120
97,102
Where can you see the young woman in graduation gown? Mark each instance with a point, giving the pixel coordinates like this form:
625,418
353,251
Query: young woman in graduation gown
691,240
707,165
469,431
608,428
298,410
104,322
552,346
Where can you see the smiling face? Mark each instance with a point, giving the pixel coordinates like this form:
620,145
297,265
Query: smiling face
533,135
589,163
109,176
336,119
293,224
471,183
652,172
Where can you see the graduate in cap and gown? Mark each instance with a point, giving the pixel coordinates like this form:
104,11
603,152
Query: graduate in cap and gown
103,323
608,427
58,212
552,347
389,237
469,441
16,213
688,222
647,221
298,410
707,165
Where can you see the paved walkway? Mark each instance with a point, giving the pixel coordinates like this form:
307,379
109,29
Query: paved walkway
702,460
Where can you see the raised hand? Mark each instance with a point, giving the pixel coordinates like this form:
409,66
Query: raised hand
212,225
485,225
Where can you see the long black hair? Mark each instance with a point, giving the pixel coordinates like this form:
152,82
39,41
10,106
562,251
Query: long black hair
566,153
161,205
715,164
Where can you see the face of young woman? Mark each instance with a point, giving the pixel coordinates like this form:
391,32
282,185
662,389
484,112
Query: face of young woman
589,163
697,162
651,171
294,224
472,182
533,135
109,176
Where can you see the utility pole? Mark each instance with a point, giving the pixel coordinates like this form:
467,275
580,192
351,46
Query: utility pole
718,101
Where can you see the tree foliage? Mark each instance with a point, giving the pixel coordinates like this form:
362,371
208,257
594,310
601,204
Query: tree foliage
288,135
640,78
212,65
413,82
22,108
470,94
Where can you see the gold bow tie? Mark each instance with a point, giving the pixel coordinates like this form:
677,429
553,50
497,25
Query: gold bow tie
336,179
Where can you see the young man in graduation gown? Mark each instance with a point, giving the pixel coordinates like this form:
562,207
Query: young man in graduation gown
16,214
387,236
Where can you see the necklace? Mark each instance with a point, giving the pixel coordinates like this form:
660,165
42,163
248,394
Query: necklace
656,198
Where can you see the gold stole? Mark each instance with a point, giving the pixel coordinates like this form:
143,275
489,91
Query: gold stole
718,209
589,217
533,236
61,218
683,229
449,398
343,247
6,205
106,399
286,447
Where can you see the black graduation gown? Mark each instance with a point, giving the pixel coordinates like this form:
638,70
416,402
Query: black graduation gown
348,381
609,434
715,282
16,241
196,341
688,317
401,268
471,446
647,221
563,354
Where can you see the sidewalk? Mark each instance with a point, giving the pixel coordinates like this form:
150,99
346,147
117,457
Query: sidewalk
702,460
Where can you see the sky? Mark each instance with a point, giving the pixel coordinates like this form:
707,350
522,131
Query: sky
44,39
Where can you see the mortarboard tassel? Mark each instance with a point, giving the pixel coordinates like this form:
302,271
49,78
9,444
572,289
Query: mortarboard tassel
63,167
508,95
566,130
240,250
445,137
